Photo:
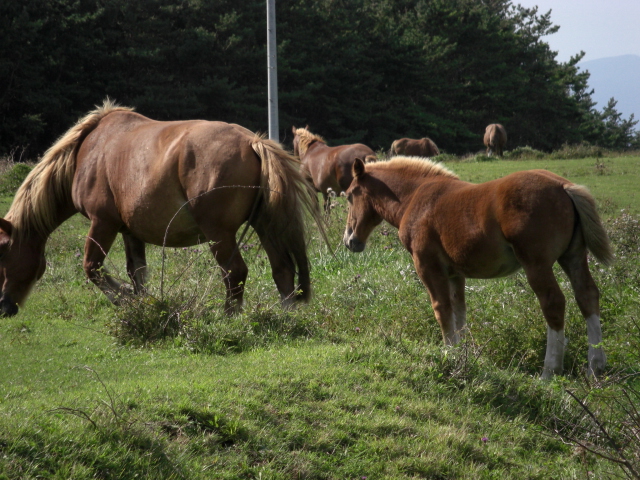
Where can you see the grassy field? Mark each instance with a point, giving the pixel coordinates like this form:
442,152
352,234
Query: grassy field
354,385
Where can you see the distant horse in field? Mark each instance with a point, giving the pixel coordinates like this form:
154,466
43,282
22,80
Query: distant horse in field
456,230
324,166
425,147
495,138
175,184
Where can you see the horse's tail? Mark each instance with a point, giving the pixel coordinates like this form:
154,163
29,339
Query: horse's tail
48,185
433,147
393,151
285,197
594,234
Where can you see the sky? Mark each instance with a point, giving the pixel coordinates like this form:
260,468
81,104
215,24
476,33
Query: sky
601,28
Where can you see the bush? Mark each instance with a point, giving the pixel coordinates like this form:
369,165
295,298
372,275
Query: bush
524,153
583,150
13,178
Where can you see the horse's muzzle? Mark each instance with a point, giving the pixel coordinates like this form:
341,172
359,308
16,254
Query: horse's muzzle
7,307
352,242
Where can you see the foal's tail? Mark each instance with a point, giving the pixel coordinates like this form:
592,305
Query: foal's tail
48,185
594,234
286,195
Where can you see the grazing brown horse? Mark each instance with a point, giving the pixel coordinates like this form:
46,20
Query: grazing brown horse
495,138
425,147
165,183
324,166
456,230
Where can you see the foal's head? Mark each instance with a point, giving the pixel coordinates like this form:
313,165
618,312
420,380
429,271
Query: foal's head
22,263
362,217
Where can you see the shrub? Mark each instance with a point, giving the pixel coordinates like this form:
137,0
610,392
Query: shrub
524,153
11,179
583,150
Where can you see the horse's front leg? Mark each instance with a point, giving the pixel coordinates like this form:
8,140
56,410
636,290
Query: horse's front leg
98,243
433,276
136,261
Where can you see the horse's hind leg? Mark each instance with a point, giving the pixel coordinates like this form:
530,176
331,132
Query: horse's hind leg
282,268
552,302
136,261
574,263
99,240
234,270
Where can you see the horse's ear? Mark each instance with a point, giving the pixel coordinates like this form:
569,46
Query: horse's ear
358,167
6,226
293,130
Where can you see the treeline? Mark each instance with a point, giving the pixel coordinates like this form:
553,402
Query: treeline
353,70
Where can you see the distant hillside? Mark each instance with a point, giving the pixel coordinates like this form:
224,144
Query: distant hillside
617,77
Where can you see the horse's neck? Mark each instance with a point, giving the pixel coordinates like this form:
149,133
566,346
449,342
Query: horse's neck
392,206
315,147
63,213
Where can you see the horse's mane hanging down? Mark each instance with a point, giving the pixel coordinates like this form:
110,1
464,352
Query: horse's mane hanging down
48,186
306,139
415,167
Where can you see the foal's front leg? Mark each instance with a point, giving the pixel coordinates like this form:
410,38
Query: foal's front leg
458,304
434,277
97,245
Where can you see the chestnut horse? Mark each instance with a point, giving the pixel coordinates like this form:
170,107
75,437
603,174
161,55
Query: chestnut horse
456,230
166,183
495,138
326,167
425,147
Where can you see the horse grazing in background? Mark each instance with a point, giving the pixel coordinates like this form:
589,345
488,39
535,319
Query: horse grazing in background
456,230
425,147
174,184
495,138
326,167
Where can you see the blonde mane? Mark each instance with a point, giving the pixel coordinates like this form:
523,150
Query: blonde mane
414,167
306,138
47,188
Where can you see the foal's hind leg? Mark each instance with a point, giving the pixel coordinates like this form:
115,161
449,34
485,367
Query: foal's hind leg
99,241
588,298
552,302
136,261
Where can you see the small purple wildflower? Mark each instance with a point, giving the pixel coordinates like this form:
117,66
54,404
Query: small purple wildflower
357,329
484,439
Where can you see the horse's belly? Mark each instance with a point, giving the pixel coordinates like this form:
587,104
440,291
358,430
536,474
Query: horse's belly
488,263
180,230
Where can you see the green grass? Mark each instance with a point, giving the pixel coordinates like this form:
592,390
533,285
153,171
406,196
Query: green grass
355,384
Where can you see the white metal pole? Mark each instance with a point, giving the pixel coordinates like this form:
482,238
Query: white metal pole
272,67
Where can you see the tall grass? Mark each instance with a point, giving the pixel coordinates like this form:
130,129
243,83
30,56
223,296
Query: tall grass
355,384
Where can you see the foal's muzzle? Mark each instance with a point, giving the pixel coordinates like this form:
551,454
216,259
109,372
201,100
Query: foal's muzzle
351,241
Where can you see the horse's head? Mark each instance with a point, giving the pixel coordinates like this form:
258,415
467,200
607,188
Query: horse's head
22,263
362,217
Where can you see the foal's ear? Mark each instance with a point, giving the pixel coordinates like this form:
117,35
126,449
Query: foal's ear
293,130
358,167
6,226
